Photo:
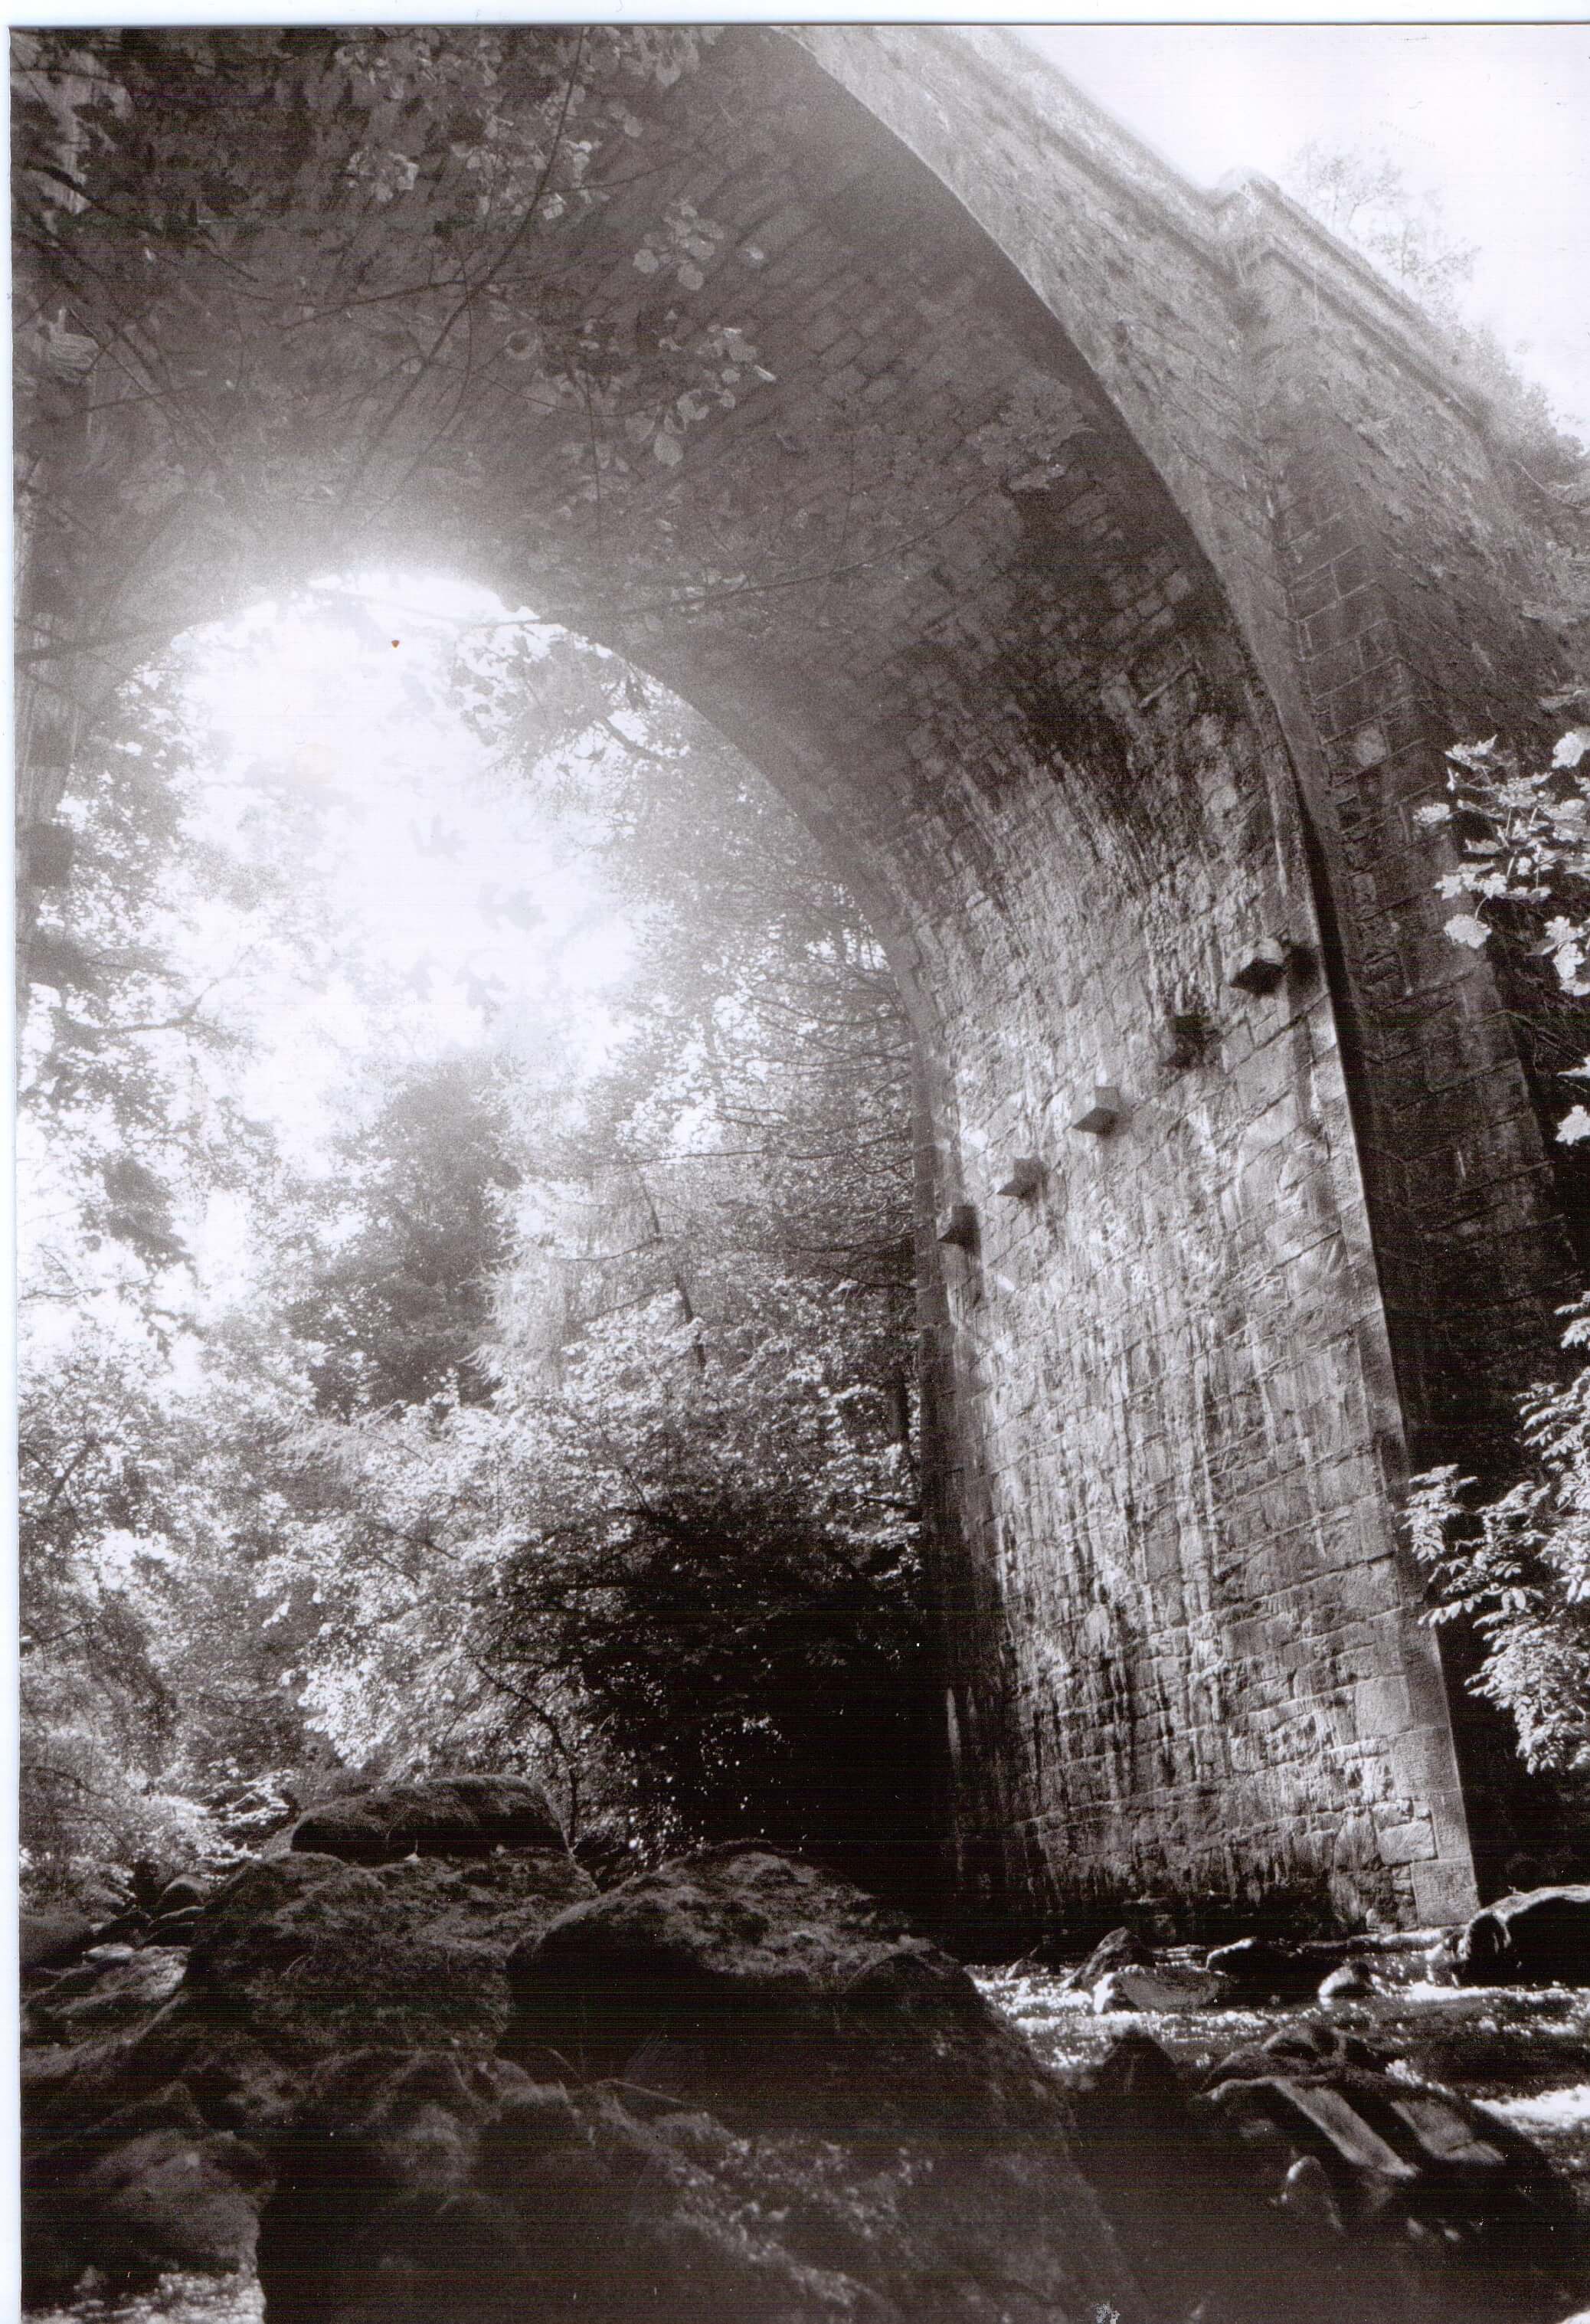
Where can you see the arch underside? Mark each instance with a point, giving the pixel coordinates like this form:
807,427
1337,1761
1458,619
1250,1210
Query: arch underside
926,577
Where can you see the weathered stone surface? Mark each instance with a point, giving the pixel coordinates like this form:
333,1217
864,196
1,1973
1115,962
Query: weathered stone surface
446,1815
802,2111
170,2199
706,1967
46,1939
313,1952
1120,1948
295,1961
179,1895
1350,1982
176,1928
1476,2220
100,1995
1538,1937
1164,1985
1260,1969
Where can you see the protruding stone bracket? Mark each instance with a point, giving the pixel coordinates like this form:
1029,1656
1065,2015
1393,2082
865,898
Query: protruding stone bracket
1025,1179
1261,970
957,1227
1107,1112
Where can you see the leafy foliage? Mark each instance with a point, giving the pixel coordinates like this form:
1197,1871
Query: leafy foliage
1521,838
398,1305
671,1555
1364,197
284,331
565,1421
132,1054
1517,1567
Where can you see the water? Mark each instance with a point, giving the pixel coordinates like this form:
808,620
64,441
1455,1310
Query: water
177,2300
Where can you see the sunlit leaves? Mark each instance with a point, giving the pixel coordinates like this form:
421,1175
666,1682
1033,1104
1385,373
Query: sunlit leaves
1522,840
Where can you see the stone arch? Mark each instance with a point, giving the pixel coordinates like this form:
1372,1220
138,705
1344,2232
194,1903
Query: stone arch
1044,578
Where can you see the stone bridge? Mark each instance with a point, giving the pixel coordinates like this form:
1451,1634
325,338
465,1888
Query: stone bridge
1101,570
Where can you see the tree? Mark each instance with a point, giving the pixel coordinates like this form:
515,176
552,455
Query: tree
1364,197
1513,1564
145,1669
397,1299
677,1566
130,1059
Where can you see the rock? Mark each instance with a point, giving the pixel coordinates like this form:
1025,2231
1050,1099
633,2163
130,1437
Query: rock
1308,2194
1122,1949
172,2199
1538,1937
1351,1982
451,1815
179,1894
1199,2223
312,1954
706,1953
1258,1971
167,2197
51,1936
176,1928
293,1961
1163,1987
1411,2168
1306,2049
112,1986
374,2194
736,2091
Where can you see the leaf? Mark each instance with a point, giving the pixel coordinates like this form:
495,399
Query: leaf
667,450
1464,929
1439,812
1574,1127
1572,747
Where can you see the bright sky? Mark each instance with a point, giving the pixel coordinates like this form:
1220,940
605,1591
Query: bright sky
455,913
1494,118
460,911
444,908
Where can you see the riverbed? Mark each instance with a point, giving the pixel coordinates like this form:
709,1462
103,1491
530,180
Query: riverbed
1525,2052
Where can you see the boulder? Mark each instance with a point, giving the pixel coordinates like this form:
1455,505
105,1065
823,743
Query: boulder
1122,1949
176,1928
735,2090
51,1936
1540,1936
293,1962
1258,1969
155,2192
312,1954
1203,2236
170,2199
179,1895
1166,1986
1350,1982
447,1815
710,1956
111,1987
1477,2222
